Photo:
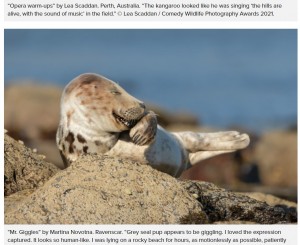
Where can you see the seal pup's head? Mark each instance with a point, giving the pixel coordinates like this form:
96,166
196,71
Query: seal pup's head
100,103
94,110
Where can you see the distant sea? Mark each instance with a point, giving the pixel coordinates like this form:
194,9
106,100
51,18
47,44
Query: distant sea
225,77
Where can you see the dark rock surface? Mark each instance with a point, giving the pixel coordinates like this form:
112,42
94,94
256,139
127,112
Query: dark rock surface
222,205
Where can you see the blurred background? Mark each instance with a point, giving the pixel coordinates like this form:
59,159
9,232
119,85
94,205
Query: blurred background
200,80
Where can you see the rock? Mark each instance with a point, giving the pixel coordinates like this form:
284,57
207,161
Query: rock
285,193
31,114
270,199
23,169
105,190
221,206
11,201
276,157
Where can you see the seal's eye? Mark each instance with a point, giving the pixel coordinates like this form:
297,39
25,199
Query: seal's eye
115,92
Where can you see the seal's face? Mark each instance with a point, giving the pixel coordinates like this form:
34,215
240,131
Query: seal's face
104,104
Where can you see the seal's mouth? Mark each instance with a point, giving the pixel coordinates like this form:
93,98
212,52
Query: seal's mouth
128,123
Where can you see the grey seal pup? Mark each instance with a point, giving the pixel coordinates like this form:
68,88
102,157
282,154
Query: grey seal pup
98,116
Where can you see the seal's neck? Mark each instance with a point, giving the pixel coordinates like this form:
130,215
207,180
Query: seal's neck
89,133
75,137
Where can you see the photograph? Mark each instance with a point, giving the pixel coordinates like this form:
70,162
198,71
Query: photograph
150,126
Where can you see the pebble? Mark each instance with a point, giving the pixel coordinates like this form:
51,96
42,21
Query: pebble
195,195
128,191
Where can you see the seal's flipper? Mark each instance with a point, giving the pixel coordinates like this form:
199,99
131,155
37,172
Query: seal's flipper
202,155
220,141
144,131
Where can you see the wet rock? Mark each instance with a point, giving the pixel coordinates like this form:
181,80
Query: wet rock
23,169
105,190
224,206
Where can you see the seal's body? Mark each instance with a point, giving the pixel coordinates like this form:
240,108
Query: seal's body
98,116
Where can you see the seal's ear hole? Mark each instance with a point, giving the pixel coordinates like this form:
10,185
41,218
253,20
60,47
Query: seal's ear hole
95,86
142,105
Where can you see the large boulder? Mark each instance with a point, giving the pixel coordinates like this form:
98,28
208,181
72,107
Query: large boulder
105,190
